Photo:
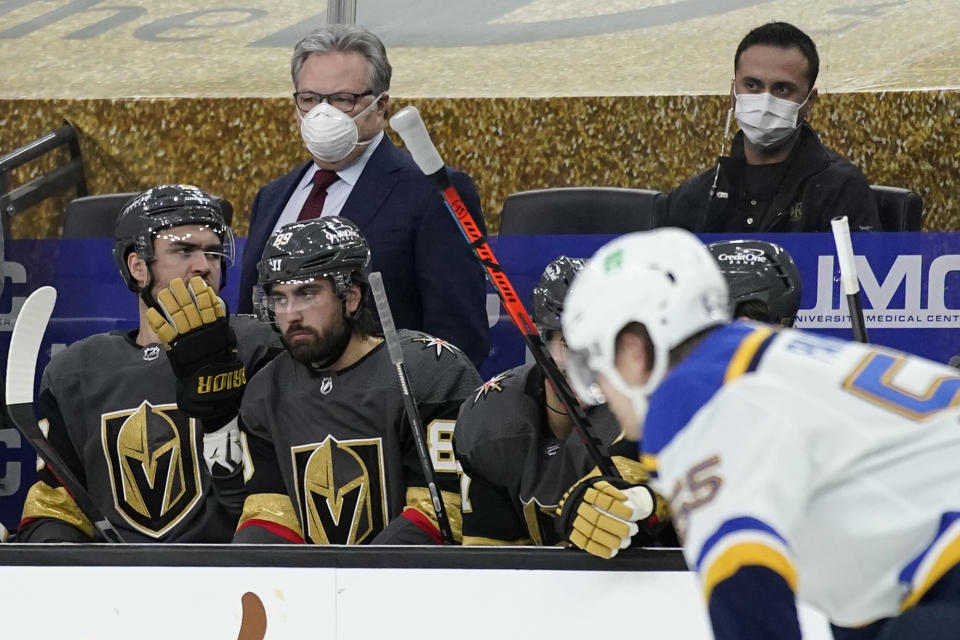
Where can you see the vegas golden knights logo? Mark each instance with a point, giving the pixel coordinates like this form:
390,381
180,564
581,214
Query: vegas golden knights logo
340,490
153,463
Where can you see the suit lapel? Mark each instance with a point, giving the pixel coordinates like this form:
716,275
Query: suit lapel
377,180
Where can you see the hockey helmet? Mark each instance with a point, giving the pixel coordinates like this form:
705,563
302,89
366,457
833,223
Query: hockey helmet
664,279
328,247
758,271
549,293
164,207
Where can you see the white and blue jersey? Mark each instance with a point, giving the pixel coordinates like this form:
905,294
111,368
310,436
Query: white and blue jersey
801,465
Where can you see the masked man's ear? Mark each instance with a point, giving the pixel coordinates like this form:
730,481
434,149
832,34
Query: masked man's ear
811,100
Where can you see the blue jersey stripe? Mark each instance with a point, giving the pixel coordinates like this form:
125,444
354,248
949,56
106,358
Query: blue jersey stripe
909,571
693,382
743,523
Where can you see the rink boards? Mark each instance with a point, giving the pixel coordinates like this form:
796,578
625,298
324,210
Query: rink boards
341,593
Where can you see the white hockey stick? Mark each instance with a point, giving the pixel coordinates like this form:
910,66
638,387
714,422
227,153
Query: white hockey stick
21,369
410,405
848,276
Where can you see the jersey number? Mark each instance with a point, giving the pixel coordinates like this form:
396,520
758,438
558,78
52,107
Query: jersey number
872,380
440,444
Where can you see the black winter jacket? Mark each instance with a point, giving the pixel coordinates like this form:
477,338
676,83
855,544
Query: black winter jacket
817,185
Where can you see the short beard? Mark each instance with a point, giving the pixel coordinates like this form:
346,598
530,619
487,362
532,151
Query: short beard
323,350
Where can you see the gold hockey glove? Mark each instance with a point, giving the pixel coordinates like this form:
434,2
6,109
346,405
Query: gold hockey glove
600,514
192,323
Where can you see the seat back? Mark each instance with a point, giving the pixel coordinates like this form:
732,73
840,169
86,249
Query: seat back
579,211
900,209
95,216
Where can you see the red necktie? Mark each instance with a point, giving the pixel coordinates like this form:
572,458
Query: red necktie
313,207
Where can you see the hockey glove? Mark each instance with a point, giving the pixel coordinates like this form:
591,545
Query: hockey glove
192,323
600,514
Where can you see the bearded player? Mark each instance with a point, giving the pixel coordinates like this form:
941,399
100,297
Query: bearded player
331,451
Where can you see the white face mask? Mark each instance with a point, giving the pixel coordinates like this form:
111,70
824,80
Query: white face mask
767,121
330,134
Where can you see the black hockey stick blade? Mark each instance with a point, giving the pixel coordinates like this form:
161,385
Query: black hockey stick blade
410,405
25,342
408,123
849,281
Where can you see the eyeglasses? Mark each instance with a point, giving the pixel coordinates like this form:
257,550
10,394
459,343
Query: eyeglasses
346,102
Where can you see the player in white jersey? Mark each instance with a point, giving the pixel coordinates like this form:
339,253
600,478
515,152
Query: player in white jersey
796,466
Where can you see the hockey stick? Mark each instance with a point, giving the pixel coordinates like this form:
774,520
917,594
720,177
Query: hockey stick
409,125
21,368
409,404
848,276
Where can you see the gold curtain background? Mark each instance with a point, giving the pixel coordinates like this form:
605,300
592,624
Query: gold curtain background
233,146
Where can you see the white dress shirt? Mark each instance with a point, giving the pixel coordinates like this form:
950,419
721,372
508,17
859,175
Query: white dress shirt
337,193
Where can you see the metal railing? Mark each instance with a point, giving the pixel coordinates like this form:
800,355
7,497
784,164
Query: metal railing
341,11
64,176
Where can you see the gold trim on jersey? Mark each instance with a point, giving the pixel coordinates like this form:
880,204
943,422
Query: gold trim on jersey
745,352
480,541
633,471
748,554
43,501
272,507
419,498
649,461
948,558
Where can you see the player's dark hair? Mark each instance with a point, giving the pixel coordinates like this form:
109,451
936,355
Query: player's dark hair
363,324
785,36
754,310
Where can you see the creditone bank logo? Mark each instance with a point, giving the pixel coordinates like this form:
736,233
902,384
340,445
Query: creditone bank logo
923,292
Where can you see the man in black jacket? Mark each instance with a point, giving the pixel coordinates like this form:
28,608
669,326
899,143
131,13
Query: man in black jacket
778,176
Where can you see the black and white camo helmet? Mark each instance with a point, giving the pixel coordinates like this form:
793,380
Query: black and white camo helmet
329,247
759,271
163,207
550,291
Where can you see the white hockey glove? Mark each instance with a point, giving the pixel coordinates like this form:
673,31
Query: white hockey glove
223,451
600,514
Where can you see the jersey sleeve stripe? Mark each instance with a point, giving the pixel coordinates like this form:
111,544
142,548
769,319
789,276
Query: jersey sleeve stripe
274,508
422,522
744,554
941,555
747,355
43,501
740,525
272,527
418,498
